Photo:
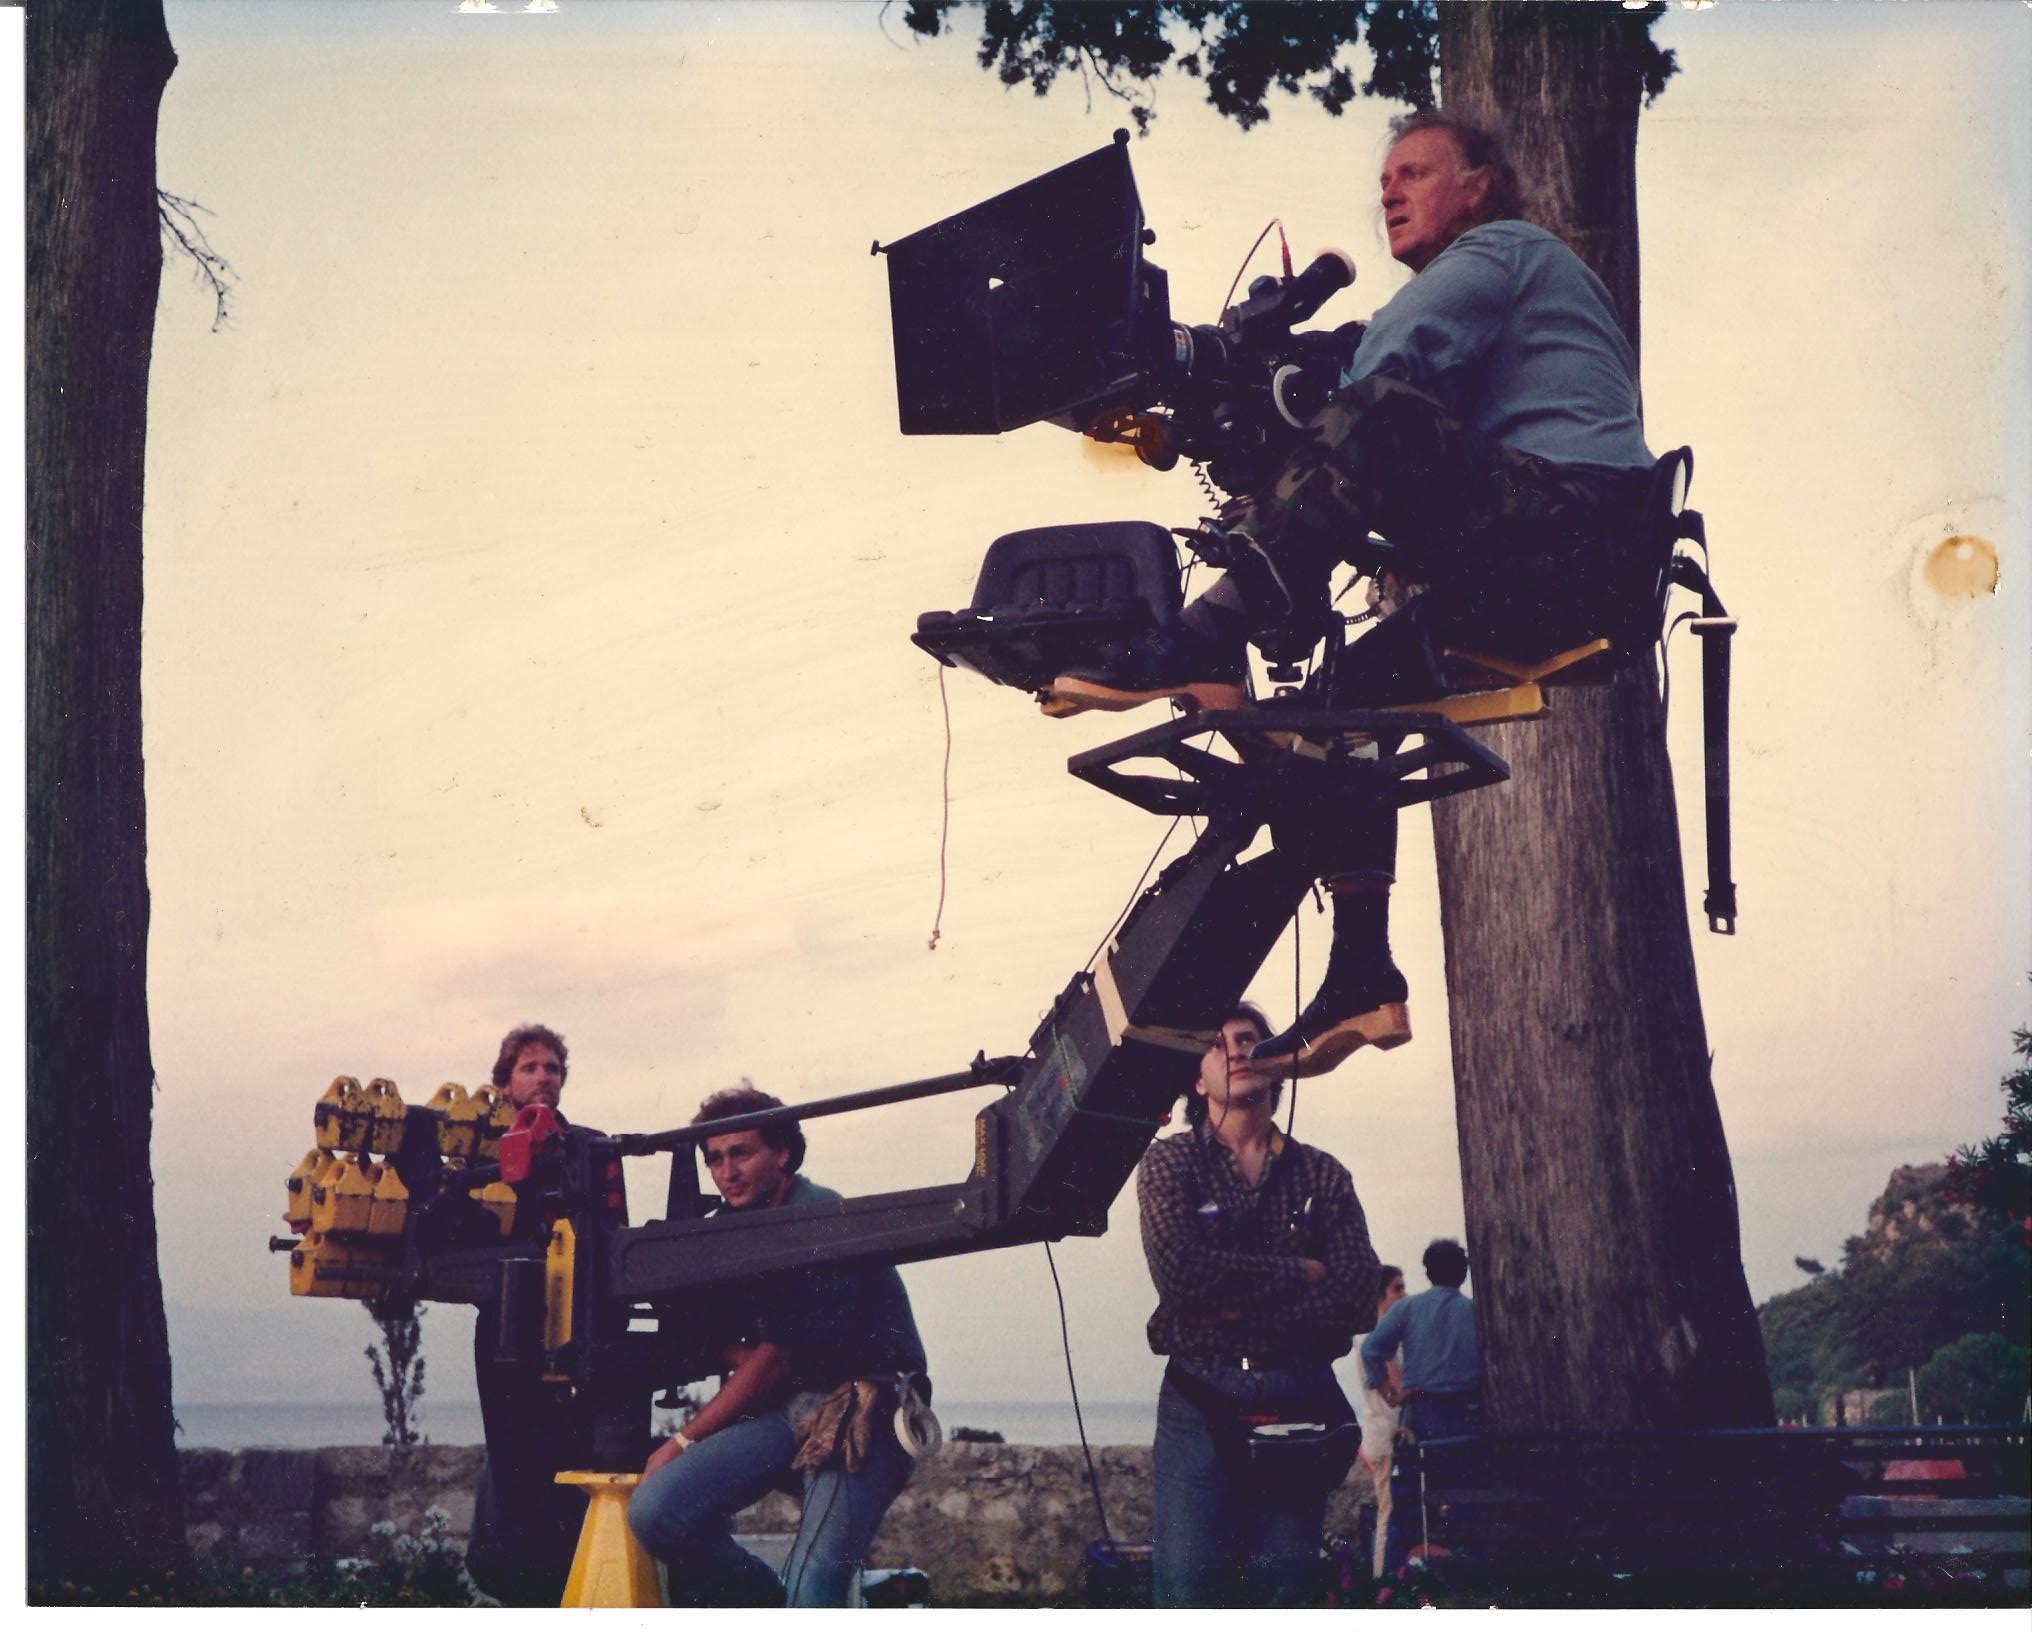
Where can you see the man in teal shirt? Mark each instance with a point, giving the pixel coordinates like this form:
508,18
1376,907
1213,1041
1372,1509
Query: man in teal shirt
1488,424
841,1339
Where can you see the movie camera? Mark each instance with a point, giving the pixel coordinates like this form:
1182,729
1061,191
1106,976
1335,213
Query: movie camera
1040,305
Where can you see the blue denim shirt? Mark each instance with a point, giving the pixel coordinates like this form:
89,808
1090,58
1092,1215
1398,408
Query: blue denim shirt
1436,1330
1515,336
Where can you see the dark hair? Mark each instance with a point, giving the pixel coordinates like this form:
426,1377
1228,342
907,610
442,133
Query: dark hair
1480,148
1446,1263
744,1097
1385,1274
1195,1101
516,1041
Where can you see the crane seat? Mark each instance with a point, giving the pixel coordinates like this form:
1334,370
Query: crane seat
1047,597
1489,687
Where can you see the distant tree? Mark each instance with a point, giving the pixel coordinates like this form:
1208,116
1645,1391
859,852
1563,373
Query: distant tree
1892,1409
1984,1377
400,1380
975,1436
102,1496
1995,1177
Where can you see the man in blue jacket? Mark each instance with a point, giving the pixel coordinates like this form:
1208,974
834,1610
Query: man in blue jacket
1440,1395
1489,424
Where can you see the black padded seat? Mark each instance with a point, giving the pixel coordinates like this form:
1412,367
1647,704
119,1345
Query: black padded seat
1048,596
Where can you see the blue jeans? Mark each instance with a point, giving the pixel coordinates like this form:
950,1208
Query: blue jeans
682,1514
1447,1418
1222,1540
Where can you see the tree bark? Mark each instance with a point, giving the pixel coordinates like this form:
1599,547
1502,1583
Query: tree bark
103,1501
1601,1206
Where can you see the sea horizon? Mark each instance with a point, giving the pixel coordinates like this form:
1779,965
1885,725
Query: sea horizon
242,1425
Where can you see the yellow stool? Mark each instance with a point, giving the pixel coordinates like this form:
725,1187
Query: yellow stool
610,1570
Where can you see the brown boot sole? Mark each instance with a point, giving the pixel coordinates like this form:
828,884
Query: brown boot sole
1386,1027
1065,696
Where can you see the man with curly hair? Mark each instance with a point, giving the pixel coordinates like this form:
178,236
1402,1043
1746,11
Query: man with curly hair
818,1361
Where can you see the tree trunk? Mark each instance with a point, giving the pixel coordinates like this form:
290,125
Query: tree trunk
1601,1206
102,1489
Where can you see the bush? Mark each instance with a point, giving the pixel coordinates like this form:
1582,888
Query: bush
975,1436
1983,1378
426,1570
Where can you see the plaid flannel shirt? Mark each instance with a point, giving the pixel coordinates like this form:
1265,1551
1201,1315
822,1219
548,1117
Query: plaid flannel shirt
1227,1256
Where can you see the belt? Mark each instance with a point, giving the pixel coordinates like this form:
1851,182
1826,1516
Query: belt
1270,1360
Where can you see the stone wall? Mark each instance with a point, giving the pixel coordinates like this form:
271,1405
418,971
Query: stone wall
984,1521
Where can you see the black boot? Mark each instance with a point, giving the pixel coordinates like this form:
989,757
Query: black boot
1360,1002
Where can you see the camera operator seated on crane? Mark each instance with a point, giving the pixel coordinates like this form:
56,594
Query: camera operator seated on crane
1260,1254
817,1361
1488,425
525,1525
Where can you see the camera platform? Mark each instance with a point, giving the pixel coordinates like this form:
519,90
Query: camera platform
1293,758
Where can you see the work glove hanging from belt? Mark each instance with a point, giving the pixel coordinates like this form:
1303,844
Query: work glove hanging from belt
841,1429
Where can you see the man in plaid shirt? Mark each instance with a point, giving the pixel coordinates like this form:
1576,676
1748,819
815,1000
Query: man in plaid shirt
1264,1273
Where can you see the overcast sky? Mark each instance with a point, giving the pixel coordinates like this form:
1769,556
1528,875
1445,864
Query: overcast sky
531,561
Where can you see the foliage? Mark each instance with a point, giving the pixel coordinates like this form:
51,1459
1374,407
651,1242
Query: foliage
975,1436
421,1571
401,1379
1932,1284
1892,1409
1795,1326
1995,1177
1893,1315
1238,48
1984,1377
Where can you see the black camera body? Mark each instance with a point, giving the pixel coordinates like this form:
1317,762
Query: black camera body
1040,305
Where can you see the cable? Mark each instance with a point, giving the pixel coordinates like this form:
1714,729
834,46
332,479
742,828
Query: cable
1297,998
792,1582
1283,243
945,810
1065,1337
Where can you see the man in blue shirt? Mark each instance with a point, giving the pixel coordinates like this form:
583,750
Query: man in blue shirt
1440,1395
1488,424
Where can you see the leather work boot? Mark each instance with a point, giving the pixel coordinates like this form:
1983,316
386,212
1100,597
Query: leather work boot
1360,1003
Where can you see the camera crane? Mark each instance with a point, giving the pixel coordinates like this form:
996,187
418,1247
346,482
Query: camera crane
1035,305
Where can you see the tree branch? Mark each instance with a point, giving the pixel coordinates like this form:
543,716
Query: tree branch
180,225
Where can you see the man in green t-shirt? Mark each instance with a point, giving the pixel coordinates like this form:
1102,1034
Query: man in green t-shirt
816,1358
